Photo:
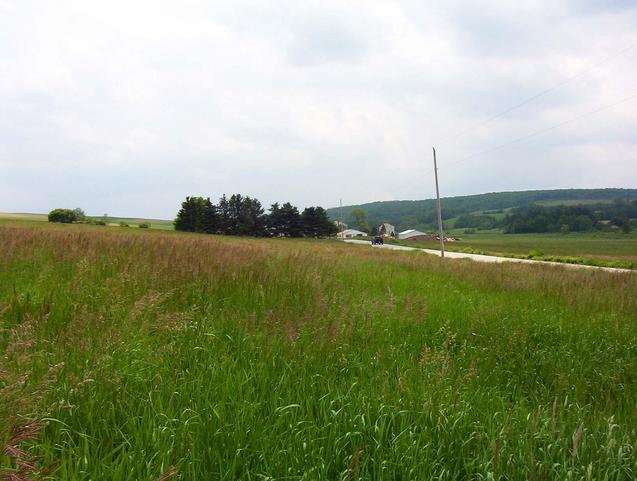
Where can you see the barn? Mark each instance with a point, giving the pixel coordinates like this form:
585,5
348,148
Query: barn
386,230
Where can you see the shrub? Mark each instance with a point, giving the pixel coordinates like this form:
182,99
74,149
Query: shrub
80,216
65,216
144,225
626,227
123,223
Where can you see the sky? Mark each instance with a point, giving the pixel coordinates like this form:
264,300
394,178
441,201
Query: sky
127,106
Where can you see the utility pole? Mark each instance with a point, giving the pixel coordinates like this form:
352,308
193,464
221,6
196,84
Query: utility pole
442,237
341,221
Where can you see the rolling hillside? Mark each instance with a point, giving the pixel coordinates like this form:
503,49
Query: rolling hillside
405,214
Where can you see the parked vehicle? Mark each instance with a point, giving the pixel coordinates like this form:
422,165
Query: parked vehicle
377,241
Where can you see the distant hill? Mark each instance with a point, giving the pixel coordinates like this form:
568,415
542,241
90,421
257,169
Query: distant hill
421,214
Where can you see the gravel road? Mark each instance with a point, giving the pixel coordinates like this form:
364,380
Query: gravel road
483,258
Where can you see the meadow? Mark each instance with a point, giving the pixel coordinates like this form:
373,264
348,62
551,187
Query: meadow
132,354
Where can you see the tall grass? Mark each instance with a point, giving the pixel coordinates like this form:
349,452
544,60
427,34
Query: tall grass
149,355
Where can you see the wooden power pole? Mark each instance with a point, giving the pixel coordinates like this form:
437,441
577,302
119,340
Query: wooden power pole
341,221
440,233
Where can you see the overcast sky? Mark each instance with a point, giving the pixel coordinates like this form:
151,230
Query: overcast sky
127,106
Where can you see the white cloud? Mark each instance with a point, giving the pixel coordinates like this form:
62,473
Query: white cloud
126,107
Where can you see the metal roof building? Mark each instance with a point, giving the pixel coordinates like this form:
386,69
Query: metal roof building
411,233
353,233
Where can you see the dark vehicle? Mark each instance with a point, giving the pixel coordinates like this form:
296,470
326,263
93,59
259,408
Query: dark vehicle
377,241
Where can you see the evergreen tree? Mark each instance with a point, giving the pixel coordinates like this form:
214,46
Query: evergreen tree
196,215
243,216
223,215
275,223
308,221
284,221
209,222
293,226
316,223
235,204
251,218
186,219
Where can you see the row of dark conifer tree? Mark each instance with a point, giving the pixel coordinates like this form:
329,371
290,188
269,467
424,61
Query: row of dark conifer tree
244,216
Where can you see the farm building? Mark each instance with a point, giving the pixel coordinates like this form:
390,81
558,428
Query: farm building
349,233
386,230
413,234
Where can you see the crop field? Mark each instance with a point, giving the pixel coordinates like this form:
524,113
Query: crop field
130,354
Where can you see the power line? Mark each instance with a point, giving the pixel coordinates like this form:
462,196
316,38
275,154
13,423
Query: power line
544,130
539,94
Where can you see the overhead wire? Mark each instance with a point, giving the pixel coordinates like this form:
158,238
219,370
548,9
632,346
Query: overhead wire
538,94
545,130
532,98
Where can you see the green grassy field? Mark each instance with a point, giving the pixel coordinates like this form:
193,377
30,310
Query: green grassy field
135,221
18,216
161,224
601,245
598,248
130,354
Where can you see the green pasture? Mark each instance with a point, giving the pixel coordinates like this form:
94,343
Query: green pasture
603,248
608,245
161,224
141,355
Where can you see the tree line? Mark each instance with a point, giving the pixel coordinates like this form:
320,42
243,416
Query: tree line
245,216
421,214
477,221
576,218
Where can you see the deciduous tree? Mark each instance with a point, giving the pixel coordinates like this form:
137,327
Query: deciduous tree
358,219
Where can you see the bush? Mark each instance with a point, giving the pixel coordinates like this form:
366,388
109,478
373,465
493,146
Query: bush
65,216
626,227
104,220
123,223
80,216
144,225
535,253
